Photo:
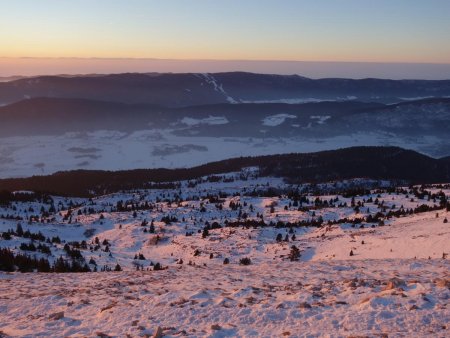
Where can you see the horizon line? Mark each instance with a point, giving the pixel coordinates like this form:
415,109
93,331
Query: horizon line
221,60
41,66
218,72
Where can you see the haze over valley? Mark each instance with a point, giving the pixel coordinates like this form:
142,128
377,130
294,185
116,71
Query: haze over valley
180,120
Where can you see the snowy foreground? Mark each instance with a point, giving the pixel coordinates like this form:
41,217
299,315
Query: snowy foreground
273,299
375,263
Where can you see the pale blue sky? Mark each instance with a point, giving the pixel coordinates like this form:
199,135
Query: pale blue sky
319,30
107,36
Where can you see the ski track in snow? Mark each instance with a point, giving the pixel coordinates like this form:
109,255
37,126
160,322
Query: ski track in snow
211,80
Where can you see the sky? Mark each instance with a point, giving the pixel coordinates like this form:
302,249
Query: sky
362,31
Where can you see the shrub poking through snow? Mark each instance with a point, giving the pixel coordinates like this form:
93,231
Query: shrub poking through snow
245,261
205,233
294,254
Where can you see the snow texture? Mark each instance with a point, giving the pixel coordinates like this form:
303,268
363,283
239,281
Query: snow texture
396,283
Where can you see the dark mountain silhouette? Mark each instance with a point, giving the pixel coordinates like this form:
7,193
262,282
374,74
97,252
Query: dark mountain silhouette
56,115
176,90
59,115
389,163
331,118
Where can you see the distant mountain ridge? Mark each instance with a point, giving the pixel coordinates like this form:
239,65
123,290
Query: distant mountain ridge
381,163
188,89
168,120
50,116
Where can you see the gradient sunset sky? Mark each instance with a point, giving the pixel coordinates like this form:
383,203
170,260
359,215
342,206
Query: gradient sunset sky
382,31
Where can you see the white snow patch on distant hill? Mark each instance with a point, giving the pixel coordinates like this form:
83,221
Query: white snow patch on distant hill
320,118
301,100
276,120
288,101
415,98
211,120
28,192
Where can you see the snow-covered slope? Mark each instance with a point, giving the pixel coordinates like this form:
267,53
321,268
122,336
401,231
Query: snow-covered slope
375,261
340,299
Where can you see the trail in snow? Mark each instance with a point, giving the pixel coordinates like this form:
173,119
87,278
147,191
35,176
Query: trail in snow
211,80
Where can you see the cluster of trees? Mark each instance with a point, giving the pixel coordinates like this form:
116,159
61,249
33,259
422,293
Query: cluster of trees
122,206
19,232
25,263
251,223
221,178
7,197
169,219
378,163
32,247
